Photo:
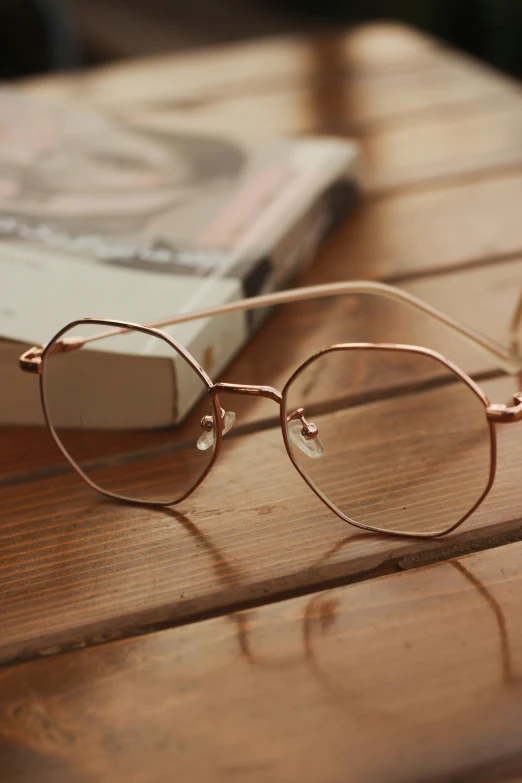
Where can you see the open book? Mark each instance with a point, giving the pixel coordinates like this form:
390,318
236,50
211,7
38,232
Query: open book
101,219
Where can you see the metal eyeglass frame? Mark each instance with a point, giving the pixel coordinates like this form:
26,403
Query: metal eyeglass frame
508,359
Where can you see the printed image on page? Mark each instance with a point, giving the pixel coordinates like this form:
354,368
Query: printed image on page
88,186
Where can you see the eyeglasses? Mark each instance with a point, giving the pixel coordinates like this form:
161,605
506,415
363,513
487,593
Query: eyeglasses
399,441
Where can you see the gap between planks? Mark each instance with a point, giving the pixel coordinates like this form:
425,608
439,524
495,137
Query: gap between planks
394,564
438,182
459,266
249,428
444,182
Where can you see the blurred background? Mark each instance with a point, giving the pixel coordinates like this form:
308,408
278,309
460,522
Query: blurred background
38,36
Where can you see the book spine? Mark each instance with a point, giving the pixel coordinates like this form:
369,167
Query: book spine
223,337
298,248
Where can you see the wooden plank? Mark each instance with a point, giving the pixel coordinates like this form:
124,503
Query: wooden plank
374,100
300,330
387,45
412,676
76,568
254,531
441,142
337,109
288,86
221,71
416,233
456,117
443,148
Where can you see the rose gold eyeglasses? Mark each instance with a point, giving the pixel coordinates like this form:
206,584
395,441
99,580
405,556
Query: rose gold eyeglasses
398,440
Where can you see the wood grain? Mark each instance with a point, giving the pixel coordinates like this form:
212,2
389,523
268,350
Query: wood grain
413,234
76,568
294,85
441,142
375,100
344,103
441,148
448,118
411,677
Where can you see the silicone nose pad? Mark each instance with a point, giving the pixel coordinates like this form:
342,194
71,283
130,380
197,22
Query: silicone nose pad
229,420
206,440
312,448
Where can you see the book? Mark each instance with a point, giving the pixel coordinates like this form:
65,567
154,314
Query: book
99,218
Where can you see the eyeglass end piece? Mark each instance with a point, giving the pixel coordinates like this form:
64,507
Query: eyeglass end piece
31,360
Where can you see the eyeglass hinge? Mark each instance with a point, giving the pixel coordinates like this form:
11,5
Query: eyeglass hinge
506,414
31,360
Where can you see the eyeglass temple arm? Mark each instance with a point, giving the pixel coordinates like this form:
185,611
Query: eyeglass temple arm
515,327
507,359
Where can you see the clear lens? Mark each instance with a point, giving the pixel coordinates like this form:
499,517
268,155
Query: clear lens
410,455
114,413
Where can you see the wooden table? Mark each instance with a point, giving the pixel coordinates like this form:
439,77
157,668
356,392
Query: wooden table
250,634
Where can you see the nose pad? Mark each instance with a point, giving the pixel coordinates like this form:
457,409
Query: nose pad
206,441
305,435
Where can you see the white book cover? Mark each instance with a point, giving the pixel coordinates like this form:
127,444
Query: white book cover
101,219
